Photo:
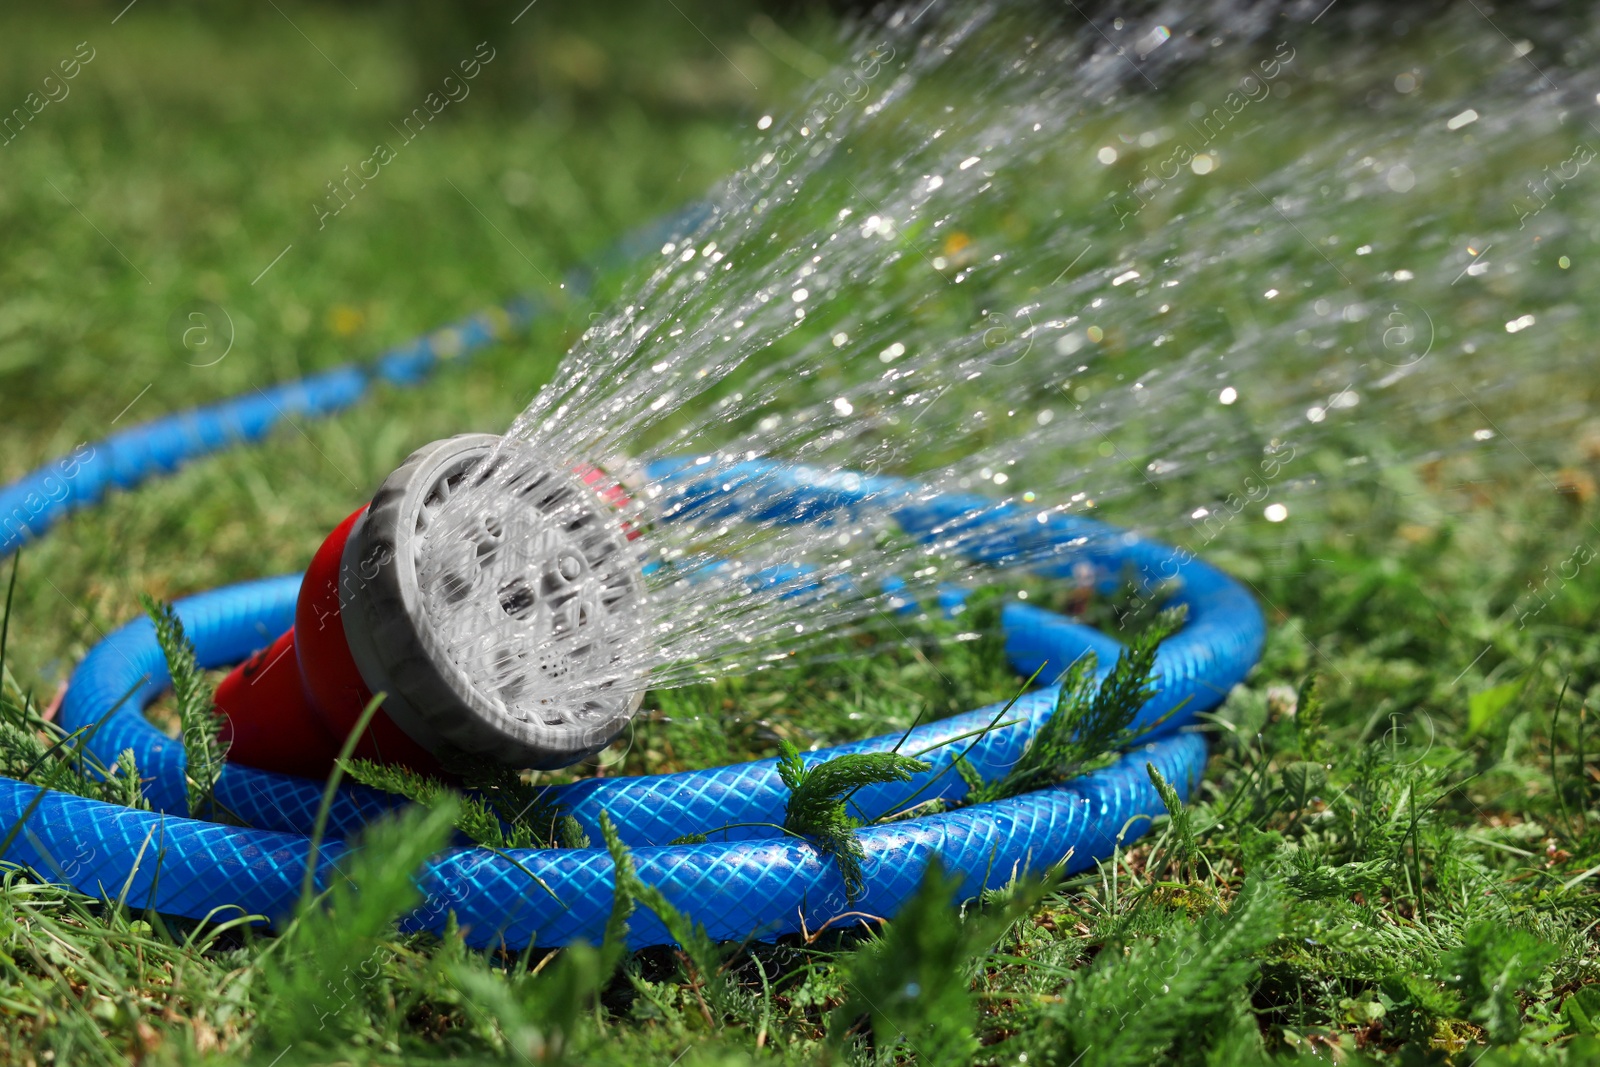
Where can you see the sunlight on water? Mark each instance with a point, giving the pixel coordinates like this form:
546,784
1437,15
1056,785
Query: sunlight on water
1166,279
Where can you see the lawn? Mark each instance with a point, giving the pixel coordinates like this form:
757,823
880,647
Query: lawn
1393,855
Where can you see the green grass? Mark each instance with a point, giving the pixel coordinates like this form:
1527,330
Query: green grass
1392,870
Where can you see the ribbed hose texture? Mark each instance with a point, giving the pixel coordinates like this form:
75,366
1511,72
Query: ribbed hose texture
749,882
747,885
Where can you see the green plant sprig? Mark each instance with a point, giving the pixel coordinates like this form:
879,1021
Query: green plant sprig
816,808
497,809
200,727
1090,723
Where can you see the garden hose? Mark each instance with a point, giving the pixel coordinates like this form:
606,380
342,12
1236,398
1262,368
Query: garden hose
38,500
743,881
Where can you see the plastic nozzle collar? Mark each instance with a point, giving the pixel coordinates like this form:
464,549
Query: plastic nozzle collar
495,598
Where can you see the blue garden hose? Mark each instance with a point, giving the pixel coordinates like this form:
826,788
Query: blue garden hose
752,883
38,500
744,882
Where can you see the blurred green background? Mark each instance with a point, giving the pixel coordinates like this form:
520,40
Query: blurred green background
188,155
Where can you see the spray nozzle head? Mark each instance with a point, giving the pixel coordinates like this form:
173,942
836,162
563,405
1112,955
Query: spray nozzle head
494,596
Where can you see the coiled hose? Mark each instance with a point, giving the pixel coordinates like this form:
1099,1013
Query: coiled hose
748,882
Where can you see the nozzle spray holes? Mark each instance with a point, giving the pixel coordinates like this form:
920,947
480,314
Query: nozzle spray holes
514,625
516,559
517,599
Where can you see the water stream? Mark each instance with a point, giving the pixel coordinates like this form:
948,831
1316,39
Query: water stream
1134,269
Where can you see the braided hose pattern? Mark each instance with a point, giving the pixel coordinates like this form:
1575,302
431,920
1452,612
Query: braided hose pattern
750,882
743,885
737,889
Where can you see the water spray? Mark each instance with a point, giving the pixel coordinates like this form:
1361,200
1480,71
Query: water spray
512,597
744,881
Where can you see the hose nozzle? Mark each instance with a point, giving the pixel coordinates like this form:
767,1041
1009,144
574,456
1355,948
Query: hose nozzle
493,597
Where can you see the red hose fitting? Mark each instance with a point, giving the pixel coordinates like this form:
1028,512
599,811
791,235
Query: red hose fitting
507,631
290,706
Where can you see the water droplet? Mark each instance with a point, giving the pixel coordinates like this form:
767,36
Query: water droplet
1276,512
1106,155
1400,178
1228,395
